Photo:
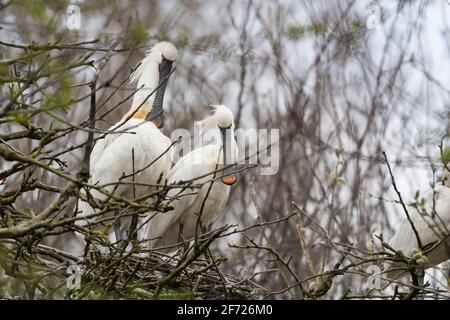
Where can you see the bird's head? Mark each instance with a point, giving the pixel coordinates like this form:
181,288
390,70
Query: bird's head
166,54
223,116
162,55
164,50
223,120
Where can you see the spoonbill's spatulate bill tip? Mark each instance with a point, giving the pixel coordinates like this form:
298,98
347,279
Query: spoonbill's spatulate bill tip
229,180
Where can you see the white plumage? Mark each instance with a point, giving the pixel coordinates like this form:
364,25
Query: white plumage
432,227
112,157
169,228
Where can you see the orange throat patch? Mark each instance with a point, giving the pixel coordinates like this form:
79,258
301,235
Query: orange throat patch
140,114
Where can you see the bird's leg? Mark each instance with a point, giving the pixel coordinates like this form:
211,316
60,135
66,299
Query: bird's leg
31,290
206,252
185,248
117,228
117,231
133,228
207,256
184,245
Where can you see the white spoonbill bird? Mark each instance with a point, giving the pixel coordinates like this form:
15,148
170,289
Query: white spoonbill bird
431,219
211,167
139,139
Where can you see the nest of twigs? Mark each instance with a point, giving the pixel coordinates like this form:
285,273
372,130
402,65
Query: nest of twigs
42,272
156,276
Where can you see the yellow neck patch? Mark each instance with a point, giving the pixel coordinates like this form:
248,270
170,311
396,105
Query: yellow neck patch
140,114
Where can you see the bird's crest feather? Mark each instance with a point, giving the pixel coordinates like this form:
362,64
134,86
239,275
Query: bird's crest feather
139,71
209,122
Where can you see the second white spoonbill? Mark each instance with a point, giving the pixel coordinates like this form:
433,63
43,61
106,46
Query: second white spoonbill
431,219
210,167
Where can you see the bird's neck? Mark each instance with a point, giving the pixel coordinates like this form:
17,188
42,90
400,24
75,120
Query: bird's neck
137,112
144,97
